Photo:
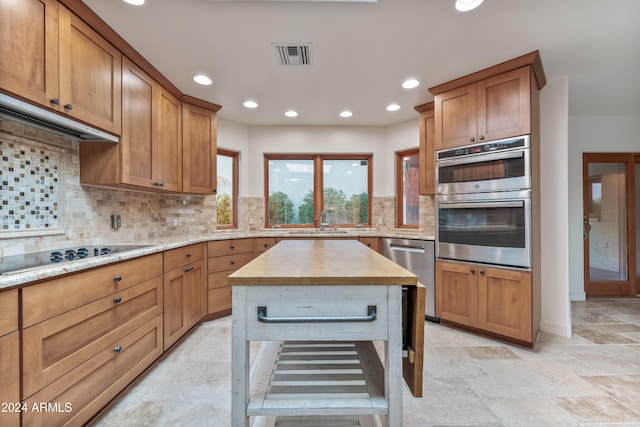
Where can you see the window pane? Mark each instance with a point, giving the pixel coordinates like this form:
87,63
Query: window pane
291,191
345,192
410,189
224,199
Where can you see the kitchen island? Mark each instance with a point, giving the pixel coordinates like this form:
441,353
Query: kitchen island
317,305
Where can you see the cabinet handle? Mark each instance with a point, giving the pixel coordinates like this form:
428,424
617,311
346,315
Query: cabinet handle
188,255
473,270
117,278
232,262
161,184
266,245
233,247
481,271
117,300
188,269
68,107
54,101
214,191
472,139
372,314
481,137
117,349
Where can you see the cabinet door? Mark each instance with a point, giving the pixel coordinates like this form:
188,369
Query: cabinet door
456,117
456,293
10,378
175,284
504,105
427,153
196,293
90,74
29,49
136,143
504,302
168,138
199,150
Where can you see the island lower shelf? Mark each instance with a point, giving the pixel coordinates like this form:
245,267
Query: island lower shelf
296,378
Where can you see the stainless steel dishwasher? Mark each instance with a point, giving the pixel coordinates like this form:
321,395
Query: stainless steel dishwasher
417,256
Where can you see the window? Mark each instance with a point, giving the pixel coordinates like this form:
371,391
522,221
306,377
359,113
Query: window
307,190
227,186
408,188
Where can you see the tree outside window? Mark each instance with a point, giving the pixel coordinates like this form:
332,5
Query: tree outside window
408,188
299,195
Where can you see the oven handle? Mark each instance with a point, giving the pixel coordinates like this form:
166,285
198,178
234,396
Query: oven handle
481,158
470,205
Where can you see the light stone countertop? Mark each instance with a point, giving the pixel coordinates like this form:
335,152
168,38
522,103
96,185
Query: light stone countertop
47,272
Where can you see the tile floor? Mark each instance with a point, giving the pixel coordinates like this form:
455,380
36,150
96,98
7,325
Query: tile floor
591,379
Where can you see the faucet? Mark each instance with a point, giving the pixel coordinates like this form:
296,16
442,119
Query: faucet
324,222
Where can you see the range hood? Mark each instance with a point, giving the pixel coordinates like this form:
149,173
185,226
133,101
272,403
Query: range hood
29,114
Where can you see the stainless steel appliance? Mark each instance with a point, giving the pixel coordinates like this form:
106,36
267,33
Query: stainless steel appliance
418,257
21,263
501,165
491,228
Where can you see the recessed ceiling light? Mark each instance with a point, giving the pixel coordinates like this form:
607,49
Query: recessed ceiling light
393,107
467,5
291,113
135,2
250,104
410,84
202,79
346,114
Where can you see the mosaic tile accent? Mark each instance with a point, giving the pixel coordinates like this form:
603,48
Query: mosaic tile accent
30,186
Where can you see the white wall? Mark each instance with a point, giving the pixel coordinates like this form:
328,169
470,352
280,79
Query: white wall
554,189
591,135
314,139
234,136
399,137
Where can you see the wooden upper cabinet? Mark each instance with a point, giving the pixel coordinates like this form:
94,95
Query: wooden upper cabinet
200,150
427,149
90,74
51,57
490,104
29,49
149,155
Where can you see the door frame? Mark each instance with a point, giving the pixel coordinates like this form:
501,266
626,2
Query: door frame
611,288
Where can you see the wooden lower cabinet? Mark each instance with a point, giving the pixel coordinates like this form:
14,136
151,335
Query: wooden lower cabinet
225,257
495,300
184,290
77,396
372,242
10,379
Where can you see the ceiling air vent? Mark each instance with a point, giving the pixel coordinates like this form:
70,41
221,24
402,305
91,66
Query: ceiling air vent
293,53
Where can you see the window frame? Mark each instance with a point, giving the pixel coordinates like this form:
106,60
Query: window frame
234,188
400,155
318,185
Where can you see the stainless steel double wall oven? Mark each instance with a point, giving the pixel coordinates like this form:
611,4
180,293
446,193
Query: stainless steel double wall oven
483,203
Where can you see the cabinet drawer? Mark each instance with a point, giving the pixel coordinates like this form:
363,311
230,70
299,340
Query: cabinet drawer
226,247
217,280
182,256
54,297
229,262
263,244
90,386
8,311
219,299
56,346
315,302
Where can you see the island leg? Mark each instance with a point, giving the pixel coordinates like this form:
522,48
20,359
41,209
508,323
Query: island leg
240,359
393,357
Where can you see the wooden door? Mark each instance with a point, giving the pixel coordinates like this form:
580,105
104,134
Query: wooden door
456,117
136,143
457,293
610,193
175,284
427,151
505,302
199,150
90,75
504,105
168,139
29,49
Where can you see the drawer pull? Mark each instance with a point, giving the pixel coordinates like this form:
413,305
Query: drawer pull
117,349
117,300
117,278
233,247
372,311
188,269
188,255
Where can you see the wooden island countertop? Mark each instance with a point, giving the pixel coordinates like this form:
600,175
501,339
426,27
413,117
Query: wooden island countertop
321,262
